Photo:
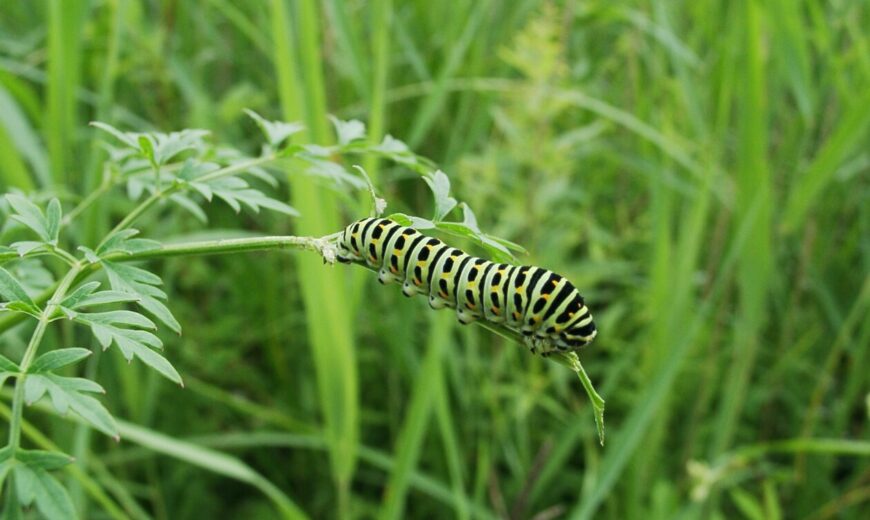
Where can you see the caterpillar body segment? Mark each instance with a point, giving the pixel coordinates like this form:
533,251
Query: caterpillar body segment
538,303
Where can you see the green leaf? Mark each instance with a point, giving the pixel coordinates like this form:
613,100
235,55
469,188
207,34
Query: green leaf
58,358
132,343
128,138
412,221
7,365
190,206
140,283
172,144
6,465
146,146
26,246
123,242
333,171
34,389
11,290
235,192
275,131
53,215
7,369
439,183
25,484
67,393
90,255
52,499
12,508
21,307
28,214
348,131
40,459
155,361
79,293
106,297
128,318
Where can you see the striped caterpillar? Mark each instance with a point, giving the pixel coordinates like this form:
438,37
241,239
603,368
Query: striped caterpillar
539,304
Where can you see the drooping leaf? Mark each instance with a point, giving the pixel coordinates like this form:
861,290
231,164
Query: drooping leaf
52,499
55,359
132,343
29,214
69,393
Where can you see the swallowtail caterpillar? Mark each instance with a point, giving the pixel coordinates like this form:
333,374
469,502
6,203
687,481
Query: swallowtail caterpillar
539,304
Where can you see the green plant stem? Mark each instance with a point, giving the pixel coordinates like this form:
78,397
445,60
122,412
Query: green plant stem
322,245
232,245
30,354
92,197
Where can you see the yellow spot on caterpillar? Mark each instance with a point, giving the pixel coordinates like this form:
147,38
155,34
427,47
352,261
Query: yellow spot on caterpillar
495,311
372,259
421,263
397,252
442,294
494,290
471,306
545,296
471,285
417,282
555,283
393,270
516,315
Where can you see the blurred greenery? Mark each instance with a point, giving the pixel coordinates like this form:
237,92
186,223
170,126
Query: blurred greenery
698,169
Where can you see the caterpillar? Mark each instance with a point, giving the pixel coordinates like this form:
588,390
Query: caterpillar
541,305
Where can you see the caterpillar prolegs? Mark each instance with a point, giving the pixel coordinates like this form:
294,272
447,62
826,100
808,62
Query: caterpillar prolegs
539,304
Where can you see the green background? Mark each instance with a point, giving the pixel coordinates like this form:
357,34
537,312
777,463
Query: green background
699,169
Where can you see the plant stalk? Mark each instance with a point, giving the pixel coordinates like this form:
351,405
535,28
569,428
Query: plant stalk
30,354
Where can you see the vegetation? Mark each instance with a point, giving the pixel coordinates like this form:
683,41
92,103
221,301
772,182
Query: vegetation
697,169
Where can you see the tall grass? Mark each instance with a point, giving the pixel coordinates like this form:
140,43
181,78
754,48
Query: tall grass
699,169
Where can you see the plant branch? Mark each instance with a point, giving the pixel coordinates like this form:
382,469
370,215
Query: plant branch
30,354
322,245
